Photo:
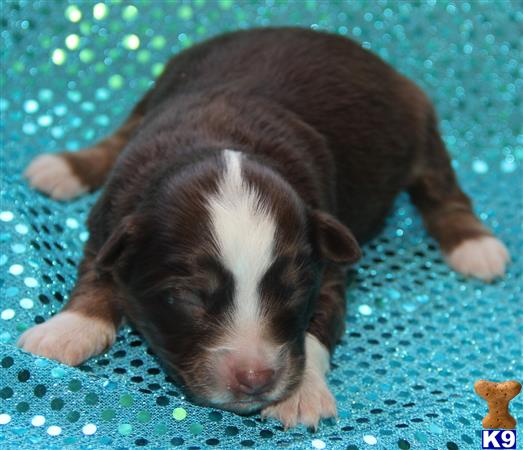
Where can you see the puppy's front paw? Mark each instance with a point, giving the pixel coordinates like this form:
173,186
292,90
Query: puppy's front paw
52,175
68,337
484,258
311,402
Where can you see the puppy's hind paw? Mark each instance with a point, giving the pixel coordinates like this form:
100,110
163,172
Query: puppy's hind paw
52,175
485,258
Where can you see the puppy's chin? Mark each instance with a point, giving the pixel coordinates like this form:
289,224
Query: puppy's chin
243,408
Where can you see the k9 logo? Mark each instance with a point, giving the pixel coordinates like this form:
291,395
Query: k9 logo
502,439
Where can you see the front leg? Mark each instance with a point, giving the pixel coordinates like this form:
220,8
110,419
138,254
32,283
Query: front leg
312,400
85,327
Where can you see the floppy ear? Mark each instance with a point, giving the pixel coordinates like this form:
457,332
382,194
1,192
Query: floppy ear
115,245
334,239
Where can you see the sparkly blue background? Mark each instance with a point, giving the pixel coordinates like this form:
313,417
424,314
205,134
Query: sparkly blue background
418,335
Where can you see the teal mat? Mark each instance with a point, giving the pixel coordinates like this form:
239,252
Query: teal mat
418,335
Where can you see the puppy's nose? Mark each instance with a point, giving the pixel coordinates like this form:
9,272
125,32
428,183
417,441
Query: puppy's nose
254,381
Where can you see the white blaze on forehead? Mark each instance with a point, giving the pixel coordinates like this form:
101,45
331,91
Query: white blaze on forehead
244,231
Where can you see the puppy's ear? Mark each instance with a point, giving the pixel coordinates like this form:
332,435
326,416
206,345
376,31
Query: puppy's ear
335,241
115,245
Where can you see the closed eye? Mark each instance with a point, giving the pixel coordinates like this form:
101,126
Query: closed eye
185,298
295,270
209,289
282,283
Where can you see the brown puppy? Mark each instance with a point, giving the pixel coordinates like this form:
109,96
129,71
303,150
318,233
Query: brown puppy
223,229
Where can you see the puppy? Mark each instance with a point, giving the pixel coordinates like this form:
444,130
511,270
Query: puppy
236,193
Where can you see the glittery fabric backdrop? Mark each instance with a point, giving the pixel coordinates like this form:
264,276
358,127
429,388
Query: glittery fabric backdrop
418,335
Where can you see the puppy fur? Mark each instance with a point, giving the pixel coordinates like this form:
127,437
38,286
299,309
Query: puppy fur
236,193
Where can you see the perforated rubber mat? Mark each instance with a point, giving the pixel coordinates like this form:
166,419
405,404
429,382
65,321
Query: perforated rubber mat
418,335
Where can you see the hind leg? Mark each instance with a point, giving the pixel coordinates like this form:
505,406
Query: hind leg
66,175
469,247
